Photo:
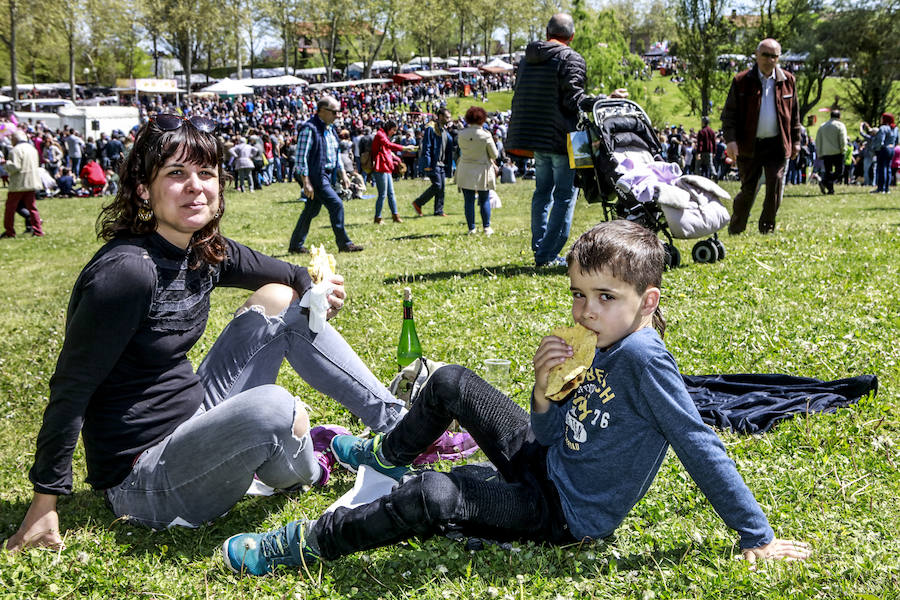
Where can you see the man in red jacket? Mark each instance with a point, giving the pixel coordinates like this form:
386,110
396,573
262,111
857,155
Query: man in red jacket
93,179
761,123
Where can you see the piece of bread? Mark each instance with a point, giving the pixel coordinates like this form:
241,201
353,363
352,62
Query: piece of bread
566,377
321,264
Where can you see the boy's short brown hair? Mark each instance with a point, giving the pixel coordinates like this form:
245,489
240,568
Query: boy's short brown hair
628,251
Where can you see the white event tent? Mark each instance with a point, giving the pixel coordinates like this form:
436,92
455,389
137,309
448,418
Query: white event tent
281,80
348,83
496,65
229,87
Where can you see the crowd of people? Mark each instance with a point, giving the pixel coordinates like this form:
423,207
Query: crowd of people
857,167
259,134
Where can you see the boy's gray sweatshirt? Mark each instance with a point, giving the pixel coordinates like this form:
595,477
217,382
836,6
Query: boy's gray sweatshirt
608,439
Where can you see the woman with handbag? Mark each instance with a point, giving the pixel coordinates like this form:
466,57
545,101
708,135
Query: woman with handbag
476,171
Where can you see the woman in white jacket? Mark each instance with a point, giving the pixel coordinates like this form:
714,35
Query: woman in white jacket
475,172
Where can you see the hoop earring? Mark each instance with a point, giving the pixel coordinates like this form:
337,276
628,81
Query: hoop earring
144,213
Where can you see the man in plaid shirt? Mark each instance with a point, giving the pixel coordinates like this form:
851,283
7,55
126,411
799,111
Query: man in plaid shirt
317,165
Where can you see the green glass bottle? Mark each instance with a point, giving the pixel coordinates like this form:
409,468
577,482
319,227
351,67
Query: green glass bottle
408,348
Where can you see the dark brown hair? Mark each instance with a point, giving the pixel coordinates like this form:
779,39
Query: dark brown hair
152,148
628,251
476,115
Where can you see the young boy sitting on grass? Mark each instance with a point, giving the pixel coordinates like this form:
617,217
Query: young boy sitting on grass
570,471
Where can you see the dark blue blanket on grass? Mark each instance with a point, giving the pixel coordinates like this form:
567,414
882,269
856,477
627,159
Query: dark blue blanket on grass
755,403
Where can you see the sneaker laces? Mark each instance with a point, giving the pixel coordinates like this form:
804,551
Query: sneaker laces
274,545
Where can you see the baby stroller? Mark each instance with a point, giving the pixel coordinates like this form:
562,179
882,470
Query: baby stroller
625,157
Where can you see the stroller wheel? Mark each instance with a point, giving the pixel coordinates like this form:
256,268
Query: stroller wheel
720,247
705,251
673,256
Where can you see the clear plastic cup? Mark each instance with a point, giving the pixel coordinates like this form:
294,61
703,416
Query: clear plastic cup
496,372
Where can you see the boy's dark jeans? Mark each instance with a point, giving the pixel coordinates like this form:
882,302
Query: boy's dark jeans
518,503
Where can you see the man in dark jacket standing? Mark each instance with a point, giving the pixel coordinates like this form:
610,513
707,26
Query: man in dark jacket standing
761,124
436,158
706,148
549,87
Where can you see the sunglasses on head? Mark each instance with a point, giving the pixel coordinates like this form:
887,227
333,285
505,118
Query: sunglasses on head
170,122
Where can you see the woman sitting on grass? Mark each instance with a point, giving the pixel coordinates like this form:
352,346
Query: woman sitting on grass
167,445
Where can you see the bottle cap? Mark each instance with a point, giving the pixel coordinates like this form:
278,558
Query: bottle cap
407,294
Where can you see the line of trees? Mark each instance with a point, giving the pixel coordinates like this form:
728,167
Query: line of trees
96,41
863,32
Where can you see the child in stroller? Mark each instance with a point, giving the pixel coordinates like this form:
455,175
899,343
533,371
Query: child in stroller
627,175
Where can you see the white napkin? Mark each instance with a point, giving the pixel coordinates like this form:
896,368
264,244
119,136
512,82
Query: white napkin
370,485
316,300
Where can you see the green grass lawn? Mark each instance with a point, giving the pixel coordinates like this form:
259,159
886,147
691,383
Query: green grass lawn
817,299
497,102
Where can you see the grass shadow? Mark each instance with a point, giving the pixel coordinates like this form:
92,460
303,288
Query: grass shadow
418,236
403,570
87,509
75,511
483,271
193,544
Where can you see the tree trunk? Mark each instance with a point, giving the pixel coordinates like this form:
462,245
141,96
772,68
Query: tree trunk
284,51
13,68
70,35
189,60
332,42
155,58
322,52
252,52
459,55
374,54
704,96
237,54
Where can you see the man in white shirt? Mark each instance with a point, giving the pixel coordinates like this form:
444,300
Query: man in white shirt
761,126
831,141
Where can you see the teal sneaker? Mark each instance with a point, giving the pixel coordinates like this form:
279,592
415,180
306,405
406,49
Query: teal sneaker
260,553
352,452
